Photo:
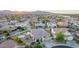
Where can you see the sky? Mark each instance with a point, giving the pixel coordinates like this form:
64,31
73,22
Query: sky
33,5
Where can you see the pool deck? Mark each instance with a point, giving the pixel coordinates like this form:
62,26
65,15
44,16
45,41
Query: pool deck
52,43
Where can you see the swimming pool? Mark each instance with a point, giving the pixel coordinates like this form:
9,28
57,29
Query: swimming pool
61,46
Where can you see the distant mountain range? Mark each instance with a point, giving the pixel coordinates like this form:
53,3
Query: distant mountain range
36,13
44,12
25,12
64,11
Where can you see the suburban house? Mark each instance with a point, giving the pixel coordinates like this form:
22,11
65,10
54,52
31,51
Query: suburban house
22,37
77,33
34,21
51,25
38,34
22,24
13,22
9,44
40,25
3,20
26,38
52,20
57,30
74,25
14,33
2,37
62,24
4,26
68,36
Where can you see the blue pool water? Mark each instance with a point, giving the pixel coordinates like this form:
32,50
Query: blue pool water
61,46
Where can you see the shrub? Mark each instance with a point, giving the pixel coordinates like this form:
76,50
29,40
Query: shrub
37,45
18,40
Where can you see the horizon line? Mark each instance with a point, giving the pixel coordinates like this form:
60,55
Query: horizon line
52,11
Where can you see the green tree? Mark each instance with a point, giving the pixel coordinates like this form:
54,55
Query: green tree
18,40
6,33
15,17
60,37
20,28
45,19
